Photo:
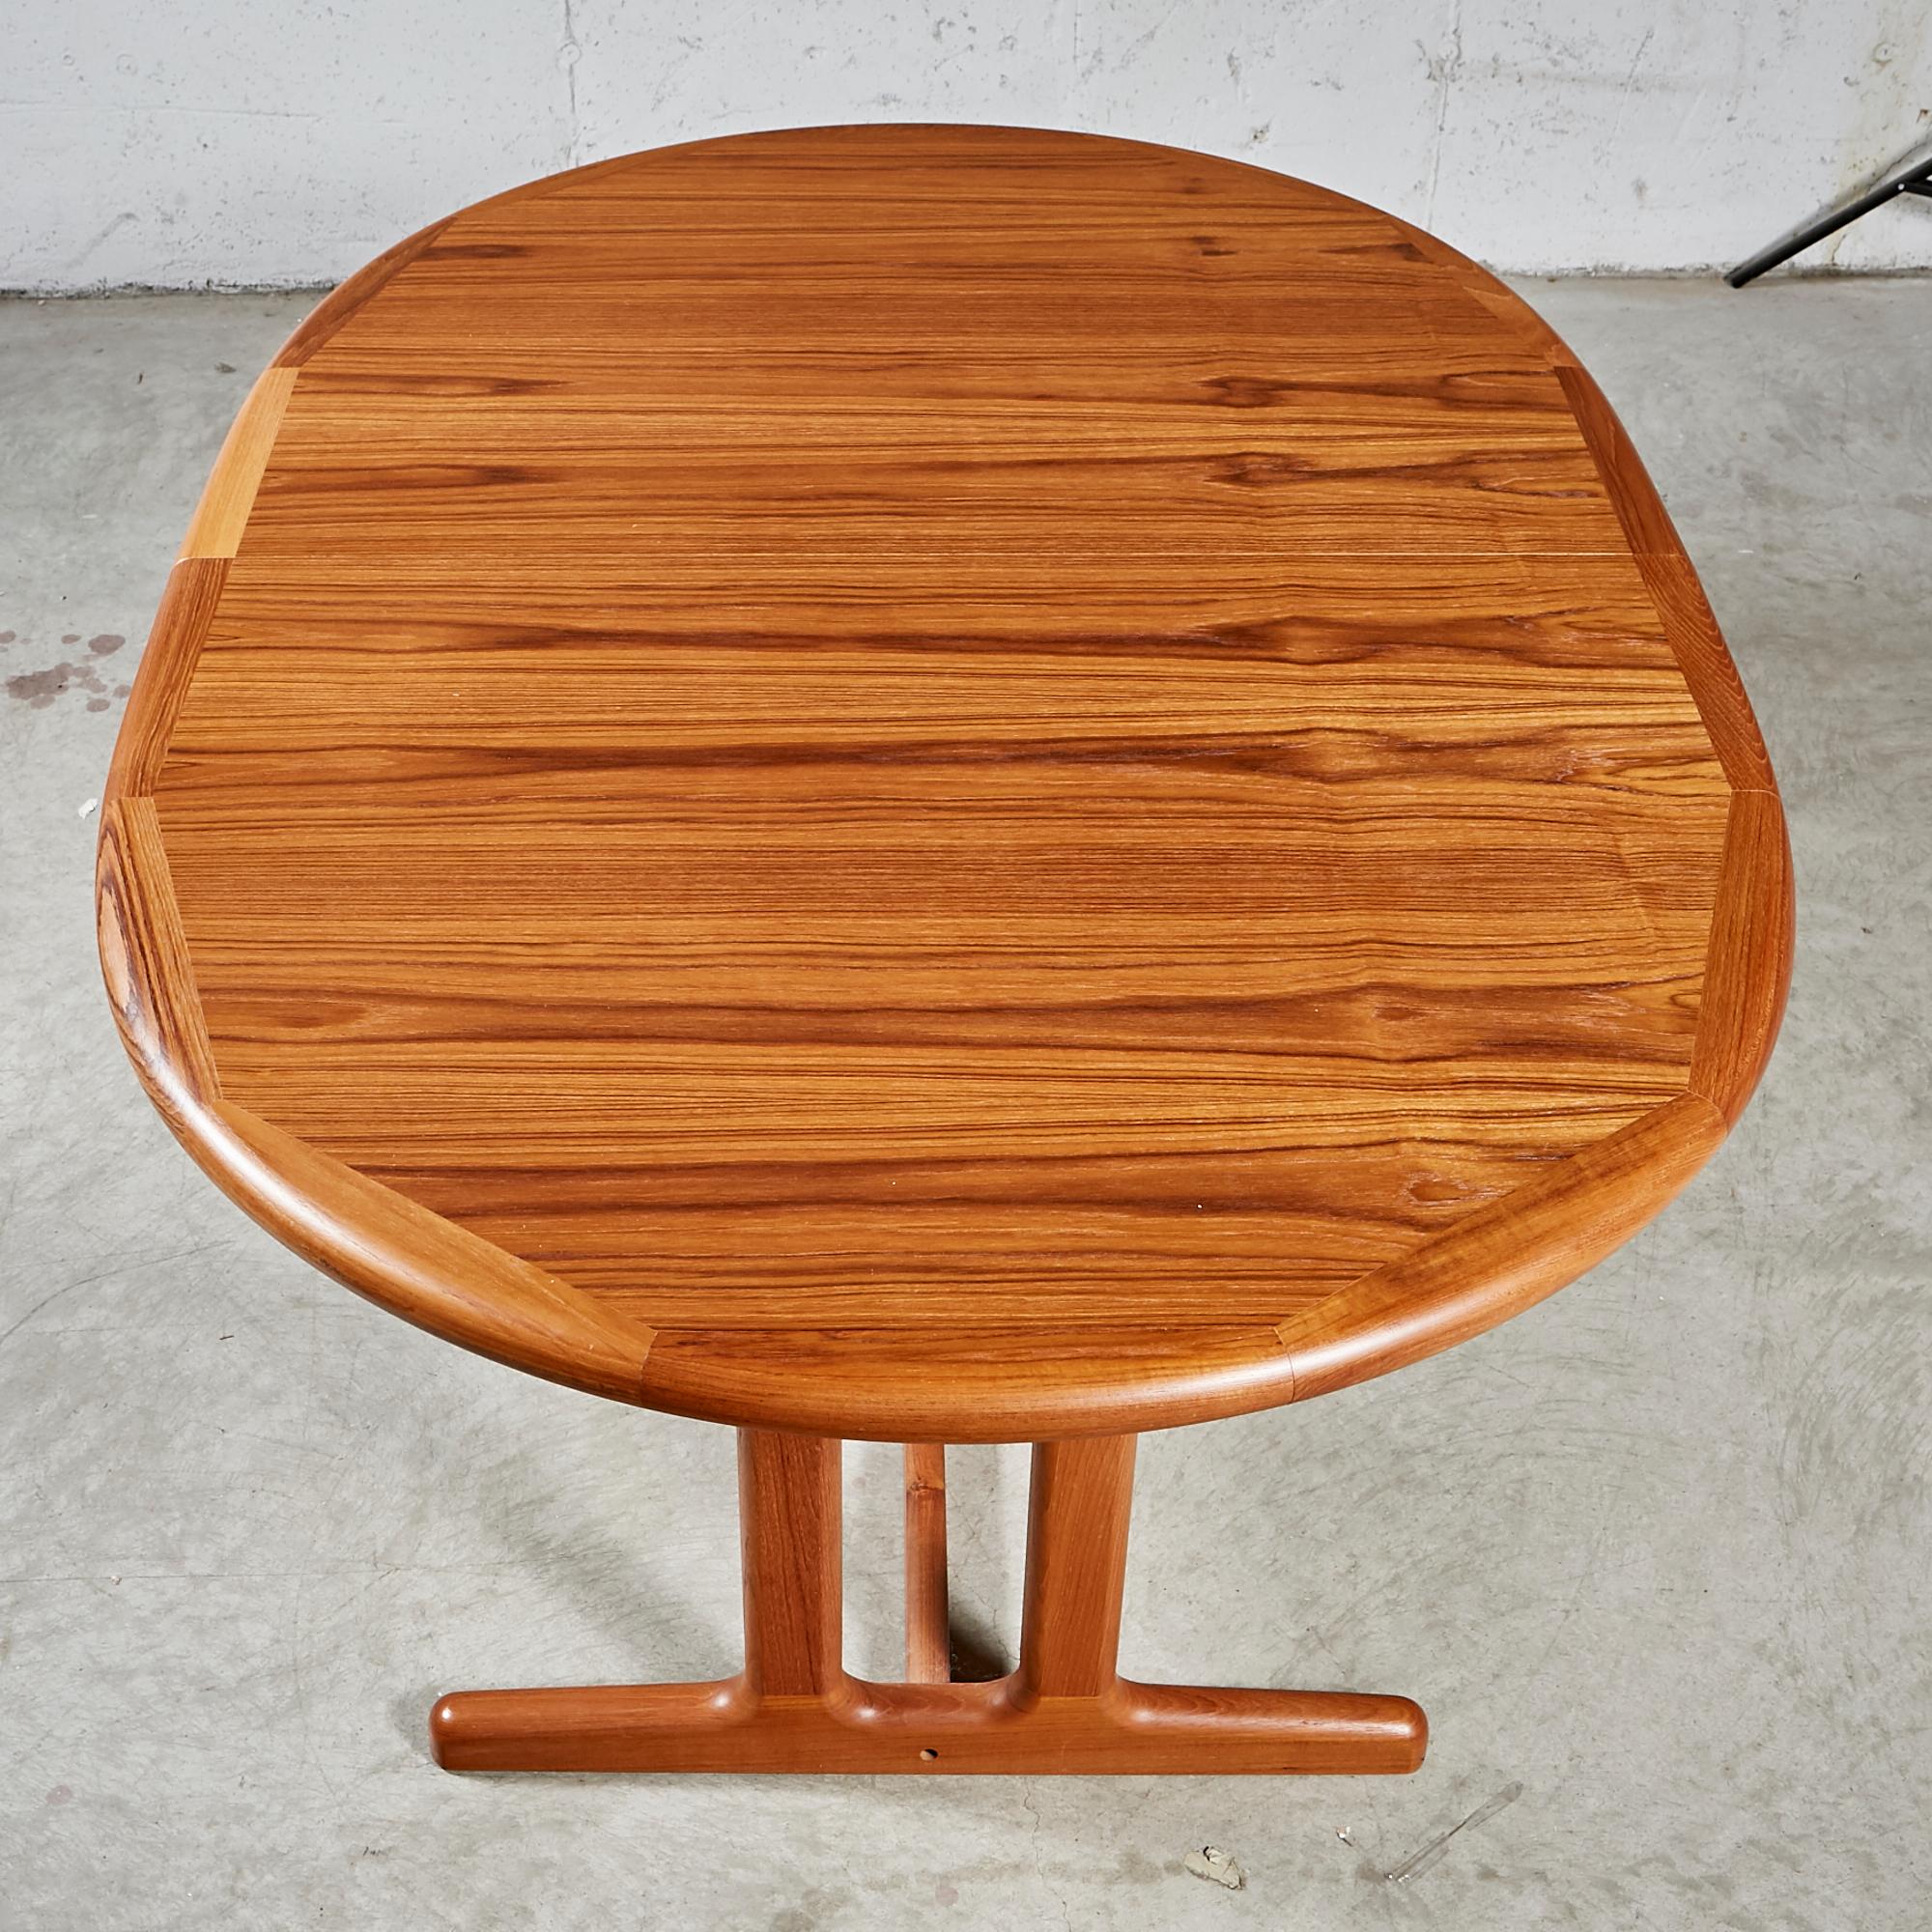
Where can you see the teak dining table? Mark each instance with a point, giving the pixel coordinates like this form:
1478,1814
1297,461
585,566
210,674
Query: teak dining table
939,784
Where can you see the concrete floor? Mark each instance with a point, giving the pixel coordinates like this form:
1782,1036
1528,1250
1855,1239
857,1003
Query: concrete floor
1653,1556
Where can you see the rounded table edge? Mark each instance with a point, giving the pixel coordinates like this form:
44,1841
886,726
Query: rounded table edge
1452,1287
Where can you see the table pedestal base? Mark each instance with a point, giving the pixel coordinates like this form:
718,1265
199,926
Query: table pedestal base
793,1708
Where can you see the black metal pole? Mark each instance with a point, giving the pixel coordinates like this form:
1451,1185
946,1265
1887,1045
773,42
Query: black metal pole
1914,179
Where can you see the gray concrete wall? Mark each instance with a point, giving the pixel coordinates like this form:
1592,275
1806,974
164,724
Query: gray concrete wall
239,143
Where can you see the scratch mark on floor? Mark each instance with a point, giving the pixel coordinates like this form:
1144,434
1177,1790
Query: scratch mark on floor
1418,1862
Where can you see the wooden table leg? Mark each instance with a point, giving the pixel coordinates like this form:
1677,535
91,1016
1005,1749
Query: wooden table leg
929,1635
794,1708
1076,1568
1067,1685
789,1522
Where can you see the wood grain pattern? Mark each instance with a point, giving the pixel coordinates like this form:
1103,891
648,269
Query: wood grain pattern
962,778
1081,1499
1749,973
432,1271
334,309
790,1516
928,1641
372,1239
1646,524
149,976
1699,645
187,607
1503,1258
222,514
1681,603
1679,598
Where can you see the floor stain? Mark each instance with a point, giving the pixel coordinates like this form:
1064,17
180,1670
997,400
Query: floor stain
38,688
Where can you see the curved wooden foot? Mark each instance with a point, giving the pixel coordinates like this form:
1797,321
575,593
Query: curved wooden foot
1141,1728
793,1708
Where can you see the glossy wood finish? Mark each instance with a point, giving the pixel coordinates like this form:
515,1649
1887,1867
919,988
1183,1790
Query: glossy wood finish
1076,1566
927,1607
940,784
789,1510
793,1708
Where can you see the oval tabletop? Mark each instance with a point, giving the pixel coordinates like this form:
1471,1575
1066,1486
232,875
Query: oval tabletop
940,782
